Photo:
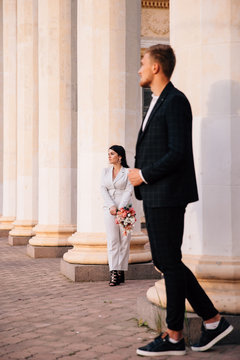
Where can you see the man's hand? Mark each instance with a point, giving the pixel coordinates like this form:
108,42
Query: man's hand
135,177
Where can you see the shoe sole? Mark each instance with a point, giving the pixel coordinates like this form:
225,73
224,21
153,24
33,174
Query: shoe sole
170,352
214,341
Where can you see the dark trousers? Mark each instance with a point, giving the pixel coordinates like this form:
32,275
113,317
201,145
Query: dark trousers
165,230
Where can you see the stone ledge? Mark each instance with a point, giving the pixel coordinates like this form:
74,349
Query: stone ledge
155,316
18,240
85,273
47,251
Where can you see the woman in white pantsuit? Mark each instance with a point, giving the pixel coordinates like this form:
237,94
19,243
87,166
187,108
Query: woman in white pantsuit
116,191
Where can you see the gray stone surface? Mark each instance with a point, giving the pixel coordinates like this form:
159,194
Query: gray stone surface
85,273
155,316
45,316
47,251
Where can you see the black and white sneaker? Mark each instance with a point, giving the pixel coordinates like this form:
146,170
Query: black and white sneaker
162,346
211,337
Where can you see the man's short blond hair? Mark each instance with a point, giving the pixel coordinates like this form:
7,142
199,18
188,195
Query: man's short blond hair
165,56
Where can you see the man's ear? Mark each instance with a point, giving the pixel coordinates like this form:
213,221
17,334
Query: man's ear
156,68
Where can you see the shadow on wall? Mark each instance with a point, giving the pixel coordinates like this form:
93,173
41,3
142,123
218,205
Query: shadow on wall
1,111
220,164
211,221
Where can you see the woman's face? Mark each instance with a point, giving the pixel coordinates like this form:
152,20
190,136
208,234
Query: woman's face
113,157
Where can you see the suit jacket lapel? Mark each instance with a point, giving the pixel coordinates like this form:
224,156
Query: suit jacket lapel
160,101
119,175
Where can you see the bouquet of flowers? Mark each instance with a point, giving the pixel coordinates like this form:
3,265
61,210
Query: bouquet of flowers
126,217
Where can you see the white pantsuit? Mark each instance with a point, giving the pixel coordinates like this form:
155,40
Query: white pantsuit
117,193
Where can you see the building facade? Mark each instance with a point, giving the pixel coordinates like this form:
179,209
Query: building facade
69,86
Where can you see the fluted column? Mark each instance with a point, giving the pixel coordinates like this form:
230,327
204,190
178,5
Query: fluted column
108,113
208,72
57,129
27,124
9,116
1,107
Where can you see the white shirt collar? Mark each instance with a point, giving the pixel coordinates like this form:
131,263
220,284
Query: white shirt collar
154,97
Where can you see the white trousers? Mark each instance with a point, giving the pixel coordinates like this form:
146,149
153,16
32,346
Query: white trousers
118,245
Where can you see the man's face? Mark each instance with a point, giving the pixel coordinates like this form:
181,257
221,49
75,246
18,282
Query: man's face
146,71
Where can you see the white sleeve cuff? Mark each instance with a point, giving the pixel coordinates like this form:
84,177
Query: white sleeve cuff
140,172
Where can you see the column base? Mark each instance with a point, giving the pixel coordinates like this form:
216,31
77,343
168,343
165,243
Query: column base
224,295
155,318
52,235
46,251
91,248
219,277
86,273
22,232
139,248
18,240
6,223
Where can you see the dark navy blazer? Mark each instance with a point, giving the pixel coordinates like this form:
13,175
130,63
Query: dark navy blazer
164,153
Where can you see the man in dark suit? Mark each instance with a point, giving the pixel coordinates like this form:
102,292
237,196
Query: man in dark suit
164,178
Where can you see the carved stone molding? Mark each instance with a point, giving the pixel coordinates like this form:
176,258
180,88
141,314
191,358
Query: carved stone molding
155,4
155,23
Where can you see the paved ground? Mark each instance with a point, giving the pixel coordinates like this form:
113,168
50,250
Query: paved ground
45,316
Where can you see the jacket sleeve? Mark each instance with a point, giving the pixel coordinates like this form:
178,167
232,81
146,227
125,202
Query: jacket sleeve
108,201
127,194
179,127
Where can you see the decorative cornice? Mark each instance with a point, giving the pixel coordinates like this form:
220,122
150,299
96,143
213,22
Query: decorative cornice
155,4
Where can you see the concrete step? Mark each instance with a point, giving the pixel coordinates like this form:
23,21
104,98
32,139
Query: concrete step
83,273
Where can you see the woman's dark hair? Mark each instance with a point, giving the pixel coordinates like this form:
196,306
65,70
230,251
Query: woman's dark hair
121,152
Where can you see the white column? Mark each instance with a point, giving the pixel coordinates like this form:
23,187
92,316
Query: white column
9,115
108,113
27,126
208,72
1,107
57,116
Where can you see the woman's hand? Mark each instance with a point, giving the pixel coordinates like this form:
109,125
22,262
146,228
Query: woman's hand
113,210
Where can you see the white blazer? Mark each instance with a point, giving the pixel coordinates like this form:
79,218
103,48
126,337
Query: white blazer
116,192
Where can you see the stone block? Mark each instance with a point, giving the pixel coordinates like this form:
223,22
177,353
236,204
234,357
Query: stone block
84,273
47,251
18,240
154,317
4,233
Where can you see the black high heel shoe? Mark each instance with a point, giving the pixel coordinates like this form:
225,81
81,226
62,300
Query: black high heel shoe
114,280
121,277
